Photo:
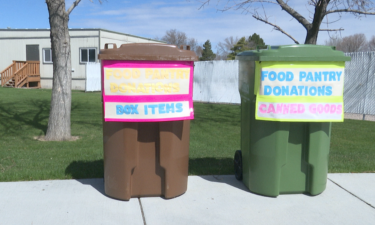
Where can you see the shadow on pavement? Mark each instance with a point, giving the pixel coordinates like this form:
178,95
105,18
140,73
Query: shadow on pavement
86,171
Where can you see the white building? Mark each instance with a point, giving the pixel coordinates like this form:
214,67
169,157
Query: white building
35,45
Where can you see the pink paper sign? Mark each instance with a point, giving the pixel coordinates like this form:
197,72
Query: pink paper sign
147,91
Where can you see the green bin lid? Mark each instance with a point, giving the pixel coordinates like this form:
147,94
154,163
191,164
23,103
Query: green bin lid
294,53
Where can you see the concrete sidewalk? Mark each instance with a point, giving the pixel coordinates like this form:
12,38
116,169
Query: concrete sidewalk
348,199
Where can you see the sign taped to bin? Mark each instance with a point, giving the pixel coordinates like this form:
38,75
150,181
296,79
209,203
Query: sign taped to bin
299,91
147,91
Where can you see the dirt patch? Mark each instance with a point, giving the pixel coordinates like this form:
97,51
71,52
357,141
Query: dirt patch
42,138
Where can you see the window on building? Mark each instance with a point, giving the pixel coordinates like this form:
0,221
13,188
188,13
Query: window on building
47,55
87,55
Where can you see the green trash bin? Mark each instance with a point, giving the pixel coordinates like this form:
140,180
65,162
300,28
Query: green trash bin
286,151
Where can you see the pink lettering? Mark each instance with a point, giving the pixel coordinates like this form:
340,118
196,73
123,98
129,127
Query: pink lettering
279,108
320,109
339,109
301,108
326,108
285,108
333,109
262,108
312,108
271,109
293,108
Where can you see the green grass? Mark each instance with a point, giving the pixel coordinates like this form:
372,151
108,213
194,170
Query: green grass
352,147
214,137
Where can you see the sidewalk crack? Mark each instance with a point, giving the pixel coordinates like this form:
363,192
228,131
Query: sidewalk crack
352,194
143,214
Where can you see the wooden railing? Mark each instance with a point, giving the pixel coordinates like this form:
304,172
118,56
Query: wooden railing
20,71
9,72
30,69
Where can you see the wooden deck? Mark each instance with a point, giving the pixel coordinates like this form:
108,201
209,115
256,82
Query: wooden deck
21,74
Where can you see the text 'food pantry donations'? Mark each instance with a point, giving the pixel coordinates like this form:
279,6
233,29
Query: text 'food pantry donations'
301,82
146,81
300,92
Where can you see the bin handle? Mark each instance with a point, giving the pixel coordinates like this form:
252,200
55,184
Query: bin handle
106,45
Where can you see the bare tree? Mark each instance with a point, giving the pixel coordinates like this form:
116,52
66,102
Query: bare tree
321,9
371,44
194,46
224,48
199,51
352,43
175,37
333,41
179,38
59,117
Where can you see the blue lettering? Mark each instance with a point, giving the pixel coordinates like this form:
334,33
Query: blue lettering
267,90
169,108
272,76
325,73
289,76
321,90
309,77
332,76
300,89
302,75
179,107
146,111
329,90
127,109
277,91
281,76
338,75
285,90
153,108
264,75
294,91
134,109
318,76
161,108
312,91
119,110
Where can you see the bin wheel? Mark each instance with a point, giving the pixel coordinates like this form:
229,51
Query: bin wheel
238,164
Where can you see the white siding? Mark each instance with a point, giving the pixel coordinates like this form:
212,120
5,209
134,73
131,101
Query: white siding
32,33
79,74
13,47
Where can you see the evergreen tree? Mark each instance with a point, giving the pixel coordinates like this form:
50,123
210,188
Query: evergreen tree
207,53
255,40
242,45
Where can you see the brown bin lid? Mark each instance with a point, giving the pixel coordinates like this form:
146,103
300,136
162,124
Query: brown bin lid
147,51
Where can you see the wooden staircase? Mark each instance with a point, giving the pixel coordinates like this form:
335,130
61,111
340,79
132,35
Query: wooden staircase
21,74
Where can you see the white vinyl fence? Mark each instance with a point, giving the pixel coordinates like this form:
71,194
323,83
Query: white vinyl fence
93,77
217,82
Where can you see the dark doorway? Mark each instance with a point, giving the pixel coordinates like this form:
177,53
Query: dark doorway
32,52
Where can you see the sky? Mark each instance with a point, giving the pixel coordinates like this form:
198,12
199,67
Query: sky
152,19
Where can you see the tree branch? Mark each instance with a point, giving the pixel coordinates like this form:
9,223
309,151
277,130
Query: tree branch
340,29
235,5
350,11
203,4
276,28
73,6
294,14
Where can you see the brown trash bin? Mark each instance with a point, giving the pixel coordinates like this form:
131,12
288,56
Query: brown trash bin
145,157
